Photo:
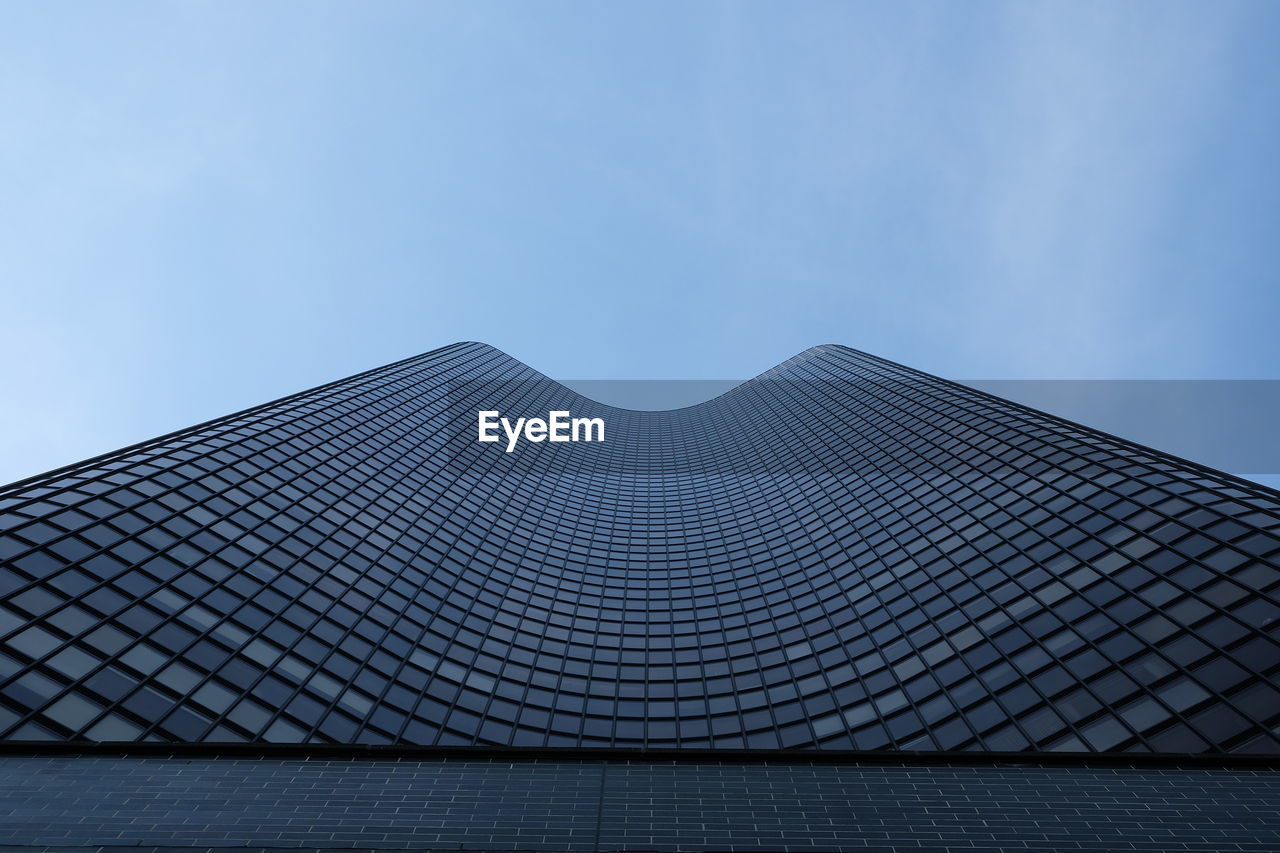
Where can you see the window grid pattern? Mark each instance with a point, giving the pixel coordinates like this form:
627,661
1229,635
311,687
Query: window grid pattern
842,553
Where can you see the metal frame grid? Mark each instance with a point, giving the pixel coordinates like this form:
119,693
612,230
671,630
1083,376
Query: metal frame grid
842,553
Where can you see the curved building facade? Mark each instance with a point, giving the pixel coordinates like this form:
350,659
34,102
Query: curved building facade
842,553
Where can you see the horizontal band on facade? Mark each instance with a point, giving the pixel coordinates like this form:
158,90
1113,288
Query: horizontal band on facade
397,752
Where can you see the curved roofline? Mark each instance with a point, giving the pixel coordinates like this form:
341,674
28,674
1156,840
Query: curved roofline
802,355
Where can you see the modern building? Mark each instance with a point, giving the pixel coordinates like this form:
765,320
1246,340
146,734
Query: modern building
843,573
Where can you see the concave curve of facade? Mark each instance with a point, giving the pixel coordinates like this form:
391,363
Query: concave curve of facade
842,553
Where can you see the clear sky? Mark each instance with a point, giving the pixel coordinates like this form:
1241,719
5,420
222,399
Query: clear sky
206,205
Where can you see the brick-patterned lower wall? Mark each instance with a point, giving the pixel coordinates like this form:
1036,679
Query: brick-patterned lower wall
88,802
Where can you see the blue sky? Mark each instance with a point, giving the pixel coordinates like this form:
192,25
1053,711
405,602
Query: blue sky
205,205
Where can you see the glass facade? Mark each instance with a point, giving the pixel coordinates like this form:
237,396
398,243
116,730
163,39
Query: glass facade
842,553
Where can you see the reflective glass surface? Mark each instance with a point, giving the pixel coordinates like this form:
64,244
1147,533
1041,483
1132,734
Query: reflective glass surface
842,553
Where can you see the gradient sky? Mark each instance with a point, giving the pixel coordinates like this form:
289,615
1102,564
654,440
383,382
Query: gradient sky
206,205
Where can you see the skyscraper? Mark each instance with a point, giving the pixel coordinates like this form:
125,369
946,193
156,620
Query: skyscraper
840,554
